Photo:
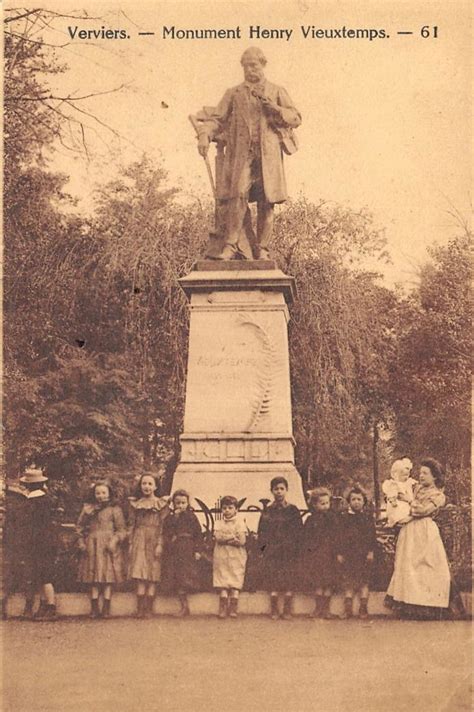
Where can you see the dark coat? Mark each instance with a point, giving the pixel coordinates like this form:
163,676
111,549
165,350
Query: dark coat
232,118
16,539
182,539
356,538
279,538
318,551
40,540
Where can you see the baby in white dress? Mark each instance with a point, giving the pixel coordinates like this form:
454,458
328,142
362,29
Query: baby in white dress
400,483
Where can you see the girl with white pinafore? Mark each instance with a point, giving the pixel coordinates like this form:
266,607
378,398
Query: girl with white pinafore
230,557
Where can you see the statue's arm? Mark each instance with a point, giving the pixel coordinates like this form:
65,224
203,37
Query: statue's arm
289,116
217,117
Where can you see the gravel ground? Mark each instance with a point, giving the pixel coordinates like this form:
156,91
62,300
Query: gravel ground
252,664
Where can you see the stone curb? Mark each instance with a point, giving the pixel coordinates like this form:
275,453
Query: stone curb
204,604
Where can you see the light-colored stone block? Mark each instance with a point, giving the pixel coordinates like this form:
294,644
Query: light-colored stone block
238,370
237,431
205,604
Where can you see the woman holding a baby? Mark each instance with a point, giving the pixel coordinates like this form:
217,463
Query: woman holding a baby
420,583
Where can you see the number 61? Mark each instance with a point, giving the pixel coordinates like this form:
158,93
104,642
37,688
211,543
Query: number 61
428,31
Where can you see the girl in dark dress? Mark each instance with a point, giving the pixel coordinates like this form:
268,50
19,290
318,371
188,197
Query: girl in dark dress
182,546
355,550
39,546
318,554
279,534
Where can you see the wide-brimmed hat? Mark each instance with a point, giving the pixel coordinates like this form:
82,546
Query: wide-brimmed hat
33,476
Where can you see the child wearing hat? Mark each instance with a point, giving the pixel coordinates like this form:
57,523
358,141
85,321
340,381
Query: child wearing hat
39,546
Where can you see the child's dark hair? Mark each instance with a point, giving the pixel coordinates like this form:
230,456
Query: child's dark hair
435,468
229,500
279,480
318,492
138,489
357,490
90,498
180,493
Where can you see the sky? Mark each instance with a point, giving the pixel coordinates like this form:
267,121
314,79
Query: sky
386,123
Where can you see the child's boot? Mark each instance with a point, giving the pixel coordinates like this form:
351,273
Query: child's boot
148,606
363,612
95,612
274,615
41,611
326,614
106,608
184,611
318,607
222,607
28,609
140,607
233,606
347,608
49,613
287,605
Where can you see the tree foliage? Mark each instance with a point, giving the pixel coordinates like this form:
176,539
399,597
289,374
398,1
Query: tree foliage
340,335
432,373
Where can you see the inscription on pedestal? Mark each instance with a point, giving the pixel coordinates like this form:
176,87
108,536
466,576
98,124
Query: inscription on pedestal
238,374
236,450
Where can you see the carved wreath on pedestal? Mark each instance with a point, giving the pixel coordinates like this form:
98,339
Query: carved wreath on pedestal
266,373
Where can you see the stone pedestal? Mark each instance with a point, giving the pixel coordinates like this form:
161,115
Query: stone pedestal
237,424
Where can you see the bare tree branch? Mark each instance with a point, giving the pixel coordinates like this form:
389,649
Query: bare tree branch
68,98
19,17
41,43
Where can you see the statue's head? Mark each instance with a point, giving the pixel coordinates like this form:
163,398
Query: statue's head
253,62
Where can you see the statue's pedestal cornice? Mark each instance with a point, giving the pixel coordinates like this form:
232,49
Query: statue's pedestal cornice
238,275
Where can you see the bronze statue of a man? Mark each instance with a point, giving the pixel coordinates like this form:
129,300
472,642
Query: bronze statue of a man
254,123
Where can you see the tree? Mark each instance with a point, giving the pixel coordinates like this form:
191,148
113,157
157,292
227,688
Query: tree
150,237
341,336
432,374
92,410
36,118
48,251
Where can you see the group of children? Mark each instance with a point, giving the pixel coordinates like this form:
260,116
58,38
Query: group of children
166,543
328,551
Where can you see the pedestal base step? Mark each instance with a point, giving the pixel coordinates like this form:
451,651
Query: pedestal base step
204,604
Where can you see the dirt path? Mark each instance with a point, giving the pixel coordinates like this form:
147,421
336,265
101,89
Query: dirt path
248,665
